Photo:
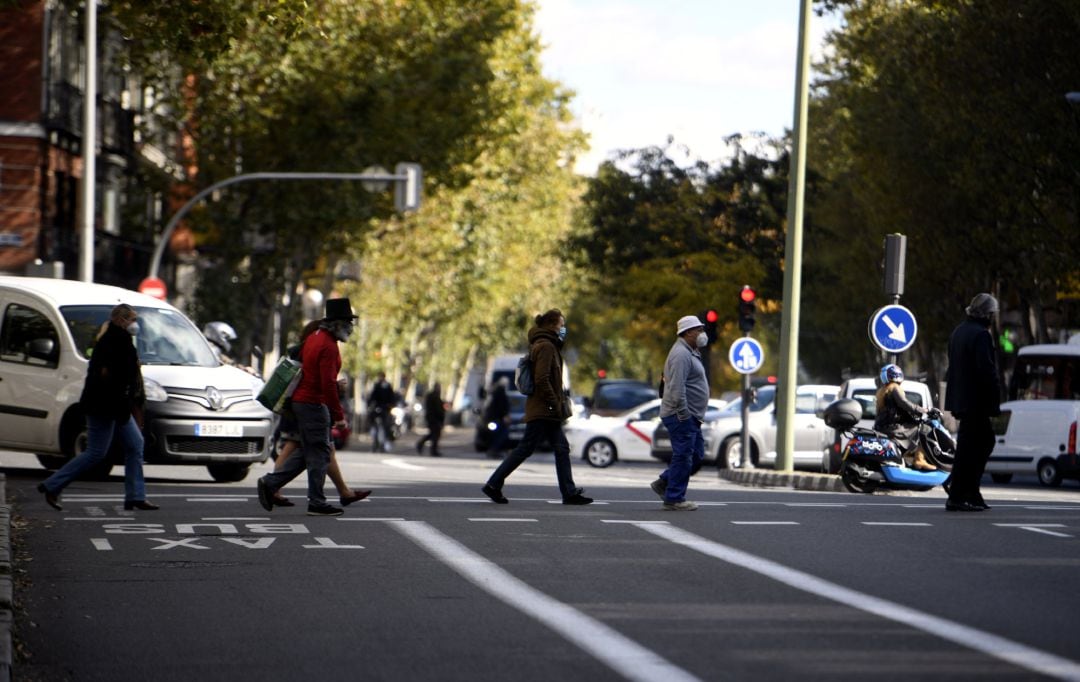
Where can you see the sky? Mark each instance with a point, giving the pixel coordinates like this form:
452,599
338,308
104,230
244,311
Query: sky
697,70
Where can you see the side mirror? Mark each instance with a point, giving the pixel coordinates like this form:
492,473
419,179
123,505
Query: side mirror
42,349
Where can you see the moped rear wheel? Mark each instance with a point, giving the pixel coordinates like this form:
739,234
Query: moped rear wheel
849,474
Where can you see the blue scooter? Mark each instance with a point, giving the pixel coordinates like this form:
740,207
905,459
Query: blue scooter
871,460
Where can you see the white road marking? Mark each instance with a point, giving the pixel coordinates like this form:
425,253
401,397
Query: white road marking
765,523
814,504
992,645
633,523
102,544
235,518
894,523
462,500
1038,528
591,504
402,464
621,654
372,518
503,520
327,543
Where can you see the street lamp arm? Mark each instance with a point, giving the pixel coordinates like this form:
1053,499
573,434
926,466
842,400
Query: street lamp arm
409,172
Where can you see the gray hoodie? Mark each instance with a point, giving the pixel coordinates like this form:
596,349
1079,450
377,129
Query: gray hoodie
686,391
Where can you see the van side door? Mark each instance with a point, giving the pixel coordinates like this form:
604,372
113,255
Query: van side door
32,383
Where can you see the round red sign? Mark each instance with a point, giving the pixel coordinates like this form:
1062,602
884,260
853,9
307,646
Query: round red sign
152,286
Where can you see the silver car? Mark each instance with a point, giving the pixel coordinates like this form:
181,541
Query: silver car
723,436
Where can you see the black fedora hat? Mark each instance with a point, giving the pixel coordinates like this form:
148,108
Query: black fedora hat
339,309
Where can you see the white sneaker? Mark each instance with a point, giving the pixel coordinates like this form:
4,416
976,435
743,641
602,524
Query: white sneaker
685,505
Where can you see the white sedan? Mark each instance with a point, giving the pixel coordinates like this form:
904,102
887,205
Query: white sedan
601,441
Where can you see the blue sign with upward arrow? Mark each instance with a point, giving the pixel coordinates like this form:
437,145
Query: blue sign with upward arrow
893,328
746,355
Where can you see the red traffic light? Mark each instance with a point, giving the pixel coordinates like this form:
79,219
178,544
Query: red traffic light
711,316
747,294
601,373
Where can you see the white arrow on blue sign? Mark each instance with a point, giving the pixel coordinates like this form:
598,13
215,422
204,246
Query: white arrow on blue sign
893,328
746,355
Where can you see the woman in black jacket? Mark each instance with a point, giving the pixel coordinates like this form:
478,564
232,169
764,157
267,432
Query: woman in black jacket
113,392
899,418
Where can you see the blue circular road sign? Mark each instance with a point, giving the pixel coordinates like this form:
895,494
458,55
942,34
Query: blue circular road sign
746,355
893,328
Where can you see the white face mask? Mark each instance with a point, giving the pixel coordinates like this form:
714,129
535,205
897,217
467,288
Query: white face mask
702,340
132,328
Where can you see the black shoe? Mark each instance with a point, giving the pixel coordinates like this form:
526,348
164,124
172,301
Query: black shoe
50,499
495,494
281,501
356,497
324,510
659,486
140,504
980,502
266,496
577,499
962,506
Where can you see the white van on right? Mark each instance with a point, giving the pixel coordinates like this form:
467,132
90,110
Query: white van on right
1036,437
1037,430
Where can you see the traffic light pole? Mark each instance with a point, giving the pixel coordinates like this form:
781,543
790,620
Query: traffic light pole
746,398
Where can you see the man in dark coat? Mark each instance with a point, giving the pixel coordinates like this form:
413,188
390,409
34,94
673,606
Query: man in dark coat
545,411
112,393
973,395
435,417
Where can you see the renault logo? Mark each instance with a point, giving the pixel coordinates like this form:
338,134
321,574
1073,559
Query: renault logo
213,396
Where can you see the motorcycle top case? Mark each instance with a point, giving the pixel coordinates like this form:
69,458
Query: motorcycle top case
872,448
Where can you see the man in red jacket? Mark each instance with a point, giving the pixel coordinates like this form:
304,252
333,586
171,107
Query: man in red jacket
316,405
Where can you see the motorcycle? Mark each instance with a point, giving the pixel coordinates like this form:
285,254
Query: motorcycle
872,460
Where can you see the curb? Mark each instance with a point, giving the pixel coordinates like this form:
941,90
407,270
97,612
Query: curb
767,478
7,585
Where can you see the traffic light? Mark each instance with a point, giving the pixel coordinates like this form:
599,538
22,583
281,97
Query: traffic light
711,317
746,308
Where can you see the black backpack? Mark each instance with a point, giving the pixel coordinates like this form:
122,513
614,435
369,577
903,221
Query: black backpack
523,376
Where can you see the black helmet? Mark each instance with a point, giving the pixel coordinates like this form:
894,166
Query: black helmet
843,414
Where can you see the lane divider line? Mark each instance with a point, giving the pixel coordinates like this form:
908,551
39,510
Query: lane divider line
987,643
618,652
895,523
503,520
402,464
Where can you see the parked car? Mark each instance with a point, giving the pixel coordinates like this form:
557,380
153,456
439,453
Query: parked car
1036,437
811,433
603,440
611,397
864,390
661,442
198,410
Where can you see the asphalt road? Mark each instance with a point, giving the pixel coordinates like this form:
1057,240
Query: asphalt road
427,580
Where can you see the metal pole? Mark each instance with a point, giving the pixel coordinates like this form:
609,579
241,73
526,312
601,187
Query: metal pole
745,459
89,148
163,241
789,322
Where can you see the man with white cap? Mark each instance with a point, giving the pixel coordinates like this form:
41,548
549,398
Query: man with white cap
686,396
973,395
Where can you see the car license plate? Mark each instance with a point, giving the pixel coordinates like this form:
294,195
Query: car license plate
210,429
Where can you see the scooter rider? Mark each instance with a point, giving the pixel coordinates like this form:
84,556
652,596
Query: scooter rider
899,418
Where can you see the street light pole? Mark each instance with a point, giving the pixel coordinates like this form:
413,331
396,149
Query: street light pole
407,178
789,321
89,148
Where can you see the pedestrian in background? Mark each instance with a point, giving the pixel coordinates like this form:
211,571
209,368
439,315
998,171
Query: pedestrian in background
682,409
315,403
380,403
545,411
497,415
435,417
112,400
973,396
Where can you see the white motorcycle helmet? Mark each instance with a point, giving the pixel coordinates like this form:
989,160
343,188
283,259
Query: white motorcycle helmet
221,334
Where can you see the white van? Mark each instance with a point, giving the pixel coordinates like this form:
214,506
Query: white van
198,411
1036,432
1035,437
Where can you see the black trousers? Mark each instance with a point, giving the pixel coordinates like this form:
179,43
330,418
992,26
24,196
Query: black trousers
974,443
433,435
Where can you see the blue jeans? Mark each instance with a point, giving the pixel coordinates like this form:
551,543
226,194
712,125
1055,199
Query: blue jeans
536,431
313,422
687,451
100,432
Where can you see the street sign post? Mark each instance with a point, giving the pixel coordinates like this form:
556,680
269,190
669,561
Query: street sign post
893,329
746,355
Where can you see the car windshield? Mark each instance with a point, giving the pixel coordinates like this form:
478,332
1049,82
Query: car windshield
621,397
165,336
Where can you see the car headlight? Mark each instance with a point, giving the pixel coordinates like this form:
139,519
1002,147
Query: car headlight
154,392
